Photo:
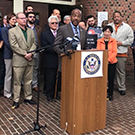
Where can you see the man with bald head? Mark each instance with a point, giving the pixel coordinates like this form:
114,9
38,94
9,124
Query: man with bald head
56,12
70,30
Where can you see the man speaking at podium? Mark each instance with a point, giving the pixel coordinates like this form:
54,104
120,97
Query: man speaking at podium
70,30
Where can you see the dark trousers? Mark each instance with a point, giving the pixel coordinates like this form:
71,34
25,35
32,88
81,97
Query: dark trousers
50,81
133,53
59,82
111,75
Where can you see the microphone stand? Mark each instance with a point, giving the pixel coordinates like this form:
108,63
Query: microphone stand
37,127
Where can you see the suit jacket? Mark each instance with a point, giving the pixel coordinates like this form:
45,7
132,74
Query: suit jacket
7,48
1,49
38,31
20,46
50,56
66,31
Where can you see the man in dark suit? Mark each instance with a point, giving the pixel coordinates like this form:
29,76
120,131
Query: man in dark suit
4,24
70,30
50,57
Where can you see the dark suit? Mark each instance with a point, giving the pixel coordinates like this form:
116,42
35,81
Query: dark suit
64,32
7,48
50,63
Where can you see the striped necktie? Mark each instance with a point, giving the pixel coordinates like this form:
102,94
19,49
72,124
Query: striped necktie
76,32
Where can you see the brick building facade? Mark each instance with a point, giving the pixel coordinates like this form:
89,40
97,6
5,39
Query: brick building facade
126,7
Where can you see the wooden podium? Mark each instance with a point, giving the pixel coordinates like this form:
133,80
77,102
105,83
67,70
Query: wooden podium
83,101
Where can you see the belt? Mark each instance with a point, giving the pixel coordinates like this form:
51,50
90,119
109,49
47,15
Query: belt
122,55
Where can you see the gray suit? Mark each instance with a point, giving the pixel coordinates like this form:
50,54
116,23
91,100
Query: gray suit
22,68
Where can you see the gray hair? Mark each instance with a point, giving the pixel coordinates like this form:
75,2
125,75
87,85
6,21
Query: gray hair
5,17
65,17
53,17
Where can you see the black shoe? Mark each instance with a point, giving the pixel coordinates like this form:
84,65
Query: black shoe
1,91
110,98
58,97
1,94
49,99
31,102
15,105
122,92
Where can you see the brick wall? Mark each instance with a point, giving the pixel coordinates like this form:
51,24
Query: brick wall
126,7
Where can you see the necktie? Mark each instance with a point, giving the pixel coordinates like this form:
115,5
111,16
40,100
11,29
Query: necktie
54,33
76,32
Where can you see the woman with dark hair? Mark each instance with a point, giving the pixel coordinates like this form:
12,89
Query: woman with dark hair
11,20
111,45
104,23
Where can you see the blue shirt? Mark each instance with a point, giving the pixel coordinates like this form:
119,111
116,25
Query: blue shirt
73,28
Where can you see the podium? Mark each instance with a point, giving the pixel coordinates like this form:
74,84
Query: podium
83,101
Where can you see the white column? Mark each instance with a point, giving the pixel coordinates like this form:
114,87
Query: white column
17,6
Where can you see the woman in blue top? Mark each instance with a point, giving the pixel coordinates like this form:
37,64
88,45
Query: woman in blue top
11,20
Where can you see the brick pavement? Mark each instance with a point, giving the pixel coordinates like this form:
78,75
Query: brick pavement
120,115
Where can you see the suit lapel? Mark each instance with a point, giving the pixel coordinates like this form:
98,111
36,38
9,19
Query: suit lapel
21,33
28,36
51,36
69,29
81,33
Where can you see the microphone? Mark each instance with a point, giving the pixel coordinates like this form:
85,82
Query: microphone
75,42
75,38
74,45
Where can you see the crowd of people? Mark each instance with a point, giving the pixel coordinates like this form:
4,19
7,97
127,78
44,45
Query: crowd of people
19,67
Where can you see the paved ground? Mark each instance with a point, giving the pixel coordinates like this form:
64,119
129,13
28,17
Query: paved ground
120,115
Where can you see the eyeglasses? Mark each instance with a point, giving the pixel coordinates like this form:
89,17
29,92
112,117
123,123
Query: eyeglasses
22,18
31,16
54,23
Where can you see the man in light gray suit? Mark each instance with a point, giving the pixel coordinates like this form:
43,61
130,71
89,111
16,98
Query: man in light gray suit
70,30
22,40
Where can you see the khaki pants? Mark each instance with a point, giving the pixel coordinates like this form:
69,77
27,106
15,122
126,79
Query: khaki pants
120,73
22,74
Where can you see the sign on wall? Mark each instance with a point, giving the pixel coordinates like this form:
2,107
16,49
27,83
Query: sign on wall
91,64
101,17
